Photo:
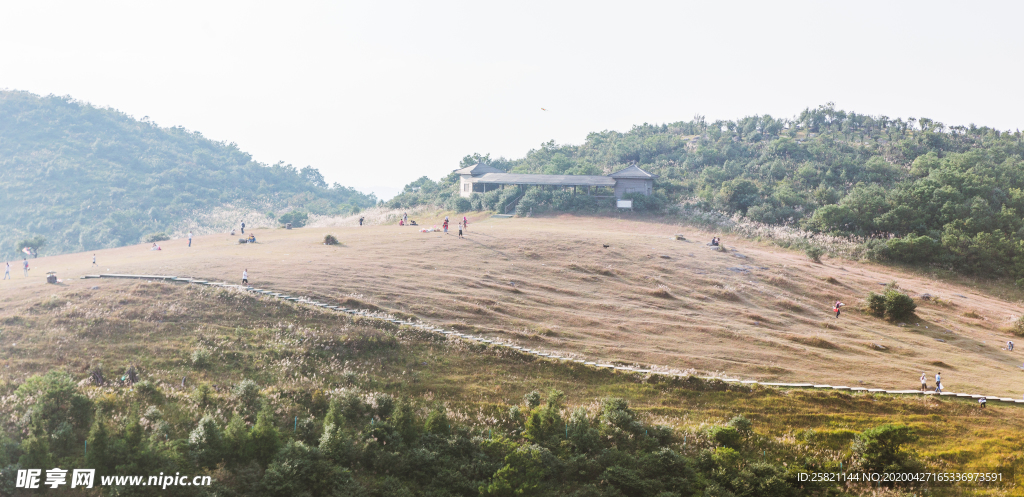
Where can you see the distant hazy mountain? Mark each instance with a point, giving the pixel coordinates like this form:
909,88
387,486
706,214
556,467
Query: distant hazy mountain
87,178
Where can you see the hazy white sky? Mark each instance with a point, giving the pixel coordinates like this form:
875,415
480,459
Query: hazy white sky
376,94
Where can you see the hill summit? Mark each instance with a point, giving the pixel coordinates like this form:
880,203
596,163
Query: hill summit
85,178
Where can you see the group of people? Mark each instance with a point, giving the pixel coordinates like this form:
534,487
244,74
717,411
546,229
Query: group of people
463,225
405,220
938,382
715,241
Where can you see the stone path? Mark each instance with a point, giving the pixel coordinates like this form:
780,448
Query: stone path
548,355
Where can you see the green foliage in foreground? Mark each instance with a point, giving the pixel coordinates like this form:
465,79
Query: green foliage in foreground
382,446
89,178
913,191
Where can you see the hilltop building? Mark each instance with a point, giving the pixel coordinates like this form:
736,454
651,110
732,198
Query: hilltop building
481,178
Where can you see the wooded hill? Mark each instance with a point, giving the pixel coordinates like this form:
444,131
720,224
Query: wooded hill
910,190
85,177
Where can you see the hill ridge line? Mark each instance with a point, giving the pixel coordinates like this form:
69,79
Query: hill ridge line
383,316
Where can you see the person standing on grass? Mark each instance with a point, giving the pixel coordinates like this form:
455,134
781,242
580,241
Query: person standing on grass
924,382
1009,346
938,382
189,238
243,226
982,401
460,231
361,220
93,259
465,224
405,219
7,271
245,276
837,308
26,266
445,225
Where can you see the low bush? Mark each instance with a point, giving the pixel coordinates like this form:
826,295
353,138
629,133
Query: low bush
330,239
298,219
155,237
814,253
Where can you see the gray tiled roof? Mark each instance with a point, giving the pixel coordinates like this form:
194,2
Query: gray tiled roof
478,170
632,172
543,179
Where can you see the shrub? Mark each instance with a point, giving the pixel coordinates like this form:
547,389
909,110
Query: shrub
881,449
814,253
898,305
200,358
203,394
742,424
247,394
1018,327
437,422
155,237
330,239
532,399
876,304
459,204
726,436
298,219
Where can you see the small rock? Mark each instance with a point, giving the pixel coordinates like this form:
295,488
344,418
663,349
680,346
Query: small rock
665,257
94,288
940,340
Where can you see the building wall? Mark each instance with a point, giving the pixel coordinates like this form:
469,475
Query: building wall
465,189
624,186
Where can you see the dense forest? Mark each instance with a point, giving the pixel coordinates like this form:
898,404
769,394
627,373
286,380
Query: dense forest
908,190
83,177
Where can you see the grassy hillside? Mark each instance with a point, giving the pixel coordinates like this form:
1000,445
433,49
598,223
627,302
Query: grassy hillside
754,311
913,191
86,178
283,399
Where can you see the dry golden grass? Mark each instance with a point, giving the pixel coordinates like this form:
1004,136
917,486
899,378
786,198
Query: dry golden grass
739,313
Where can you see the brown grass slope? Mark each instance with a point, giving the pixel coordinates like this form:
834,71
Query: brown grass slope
752,311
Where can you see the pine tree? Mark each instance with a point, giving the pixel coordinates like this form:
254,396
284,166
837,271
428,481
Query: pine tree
36,446
264,438
98,455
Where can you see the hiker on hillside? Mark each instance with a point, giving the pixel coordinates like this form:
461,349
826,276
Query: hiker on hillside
361,220
924,382
189,238
243,226
938,382
7,271
837,308
245,276
26,266
982,401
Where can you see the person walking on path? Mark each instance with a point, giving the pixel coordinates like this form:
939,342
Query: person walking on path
189,238
1009,346
938,382
26,266
243,226
245,276
837,308
924,382
460,231
7,271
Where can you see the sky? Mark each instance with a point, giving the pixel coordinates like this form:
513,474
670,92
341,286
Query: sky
377,94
